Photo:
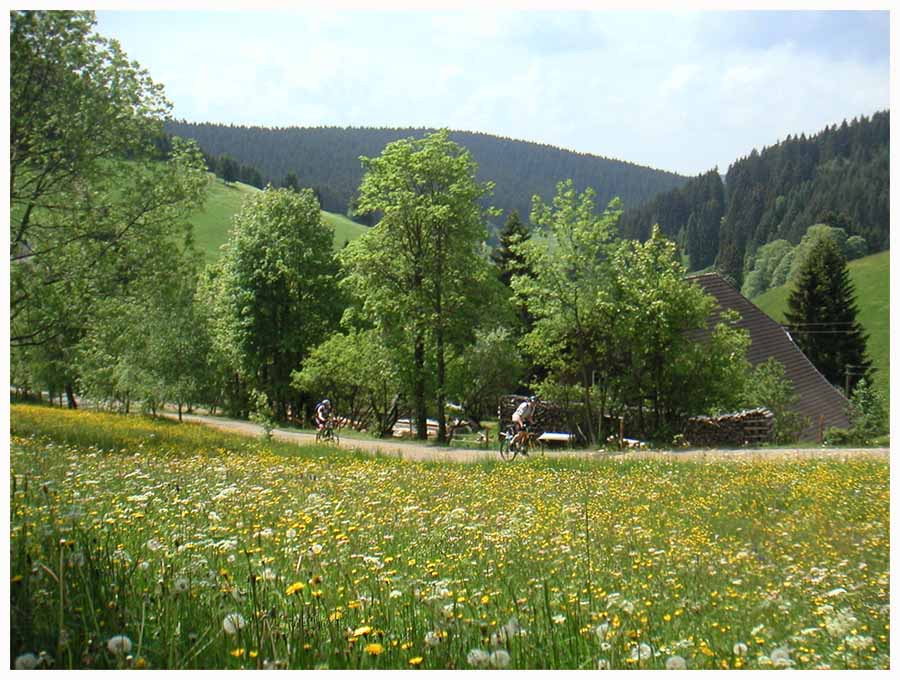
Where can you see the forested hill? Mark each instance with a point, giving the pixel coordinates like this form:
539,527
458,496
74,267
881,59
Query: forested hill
840,176
327,159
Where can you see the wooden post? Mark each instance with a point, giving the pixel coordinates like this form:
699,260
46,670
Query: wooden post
621,431
821,428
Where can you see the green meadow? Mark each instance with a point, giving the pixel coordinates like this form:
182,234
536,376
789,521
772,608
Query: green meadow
136,543
212,223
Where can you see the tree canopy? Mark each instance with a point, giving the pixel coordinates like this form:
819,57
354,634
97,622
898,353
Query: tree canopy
419,271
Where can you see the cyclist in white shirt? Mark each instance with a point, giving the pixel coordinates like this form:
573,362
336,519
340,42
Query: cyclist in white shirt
521,418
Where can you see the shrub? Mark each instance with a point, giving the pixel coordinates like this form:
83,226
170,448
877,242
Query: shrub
837,436
868,413
262,414
769,387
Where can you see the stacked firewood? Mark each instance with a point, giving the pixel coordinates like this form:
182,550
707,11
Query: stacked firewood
754,426
548,417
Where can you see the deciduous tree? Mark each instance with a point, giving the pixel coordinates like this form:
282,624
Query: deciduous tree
276,293
421,267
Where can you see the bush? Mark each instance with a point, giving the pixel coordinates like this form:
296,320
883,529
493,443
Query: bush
262,414
837,436
769,387
868,413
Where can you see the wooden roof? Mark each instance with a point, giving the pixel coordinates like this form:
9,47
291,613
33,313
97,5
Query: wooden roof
815,395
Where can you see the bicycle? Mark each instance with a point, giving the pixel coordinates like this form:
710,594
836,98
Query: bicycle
529,442
327,435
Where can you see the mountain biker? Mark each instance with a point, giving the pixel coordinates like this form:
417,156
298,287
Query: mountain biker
323,414
521,418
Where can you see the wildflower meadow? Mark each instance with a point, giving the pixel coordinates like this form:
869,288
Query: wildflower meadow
139,543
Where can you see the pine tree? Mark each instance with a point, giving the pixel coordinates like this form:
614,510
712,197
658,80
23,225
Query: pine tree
291,182
507,261
229,168
822,316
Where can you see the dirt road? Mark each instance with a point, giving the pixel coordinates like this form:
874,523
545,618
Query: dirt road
413,451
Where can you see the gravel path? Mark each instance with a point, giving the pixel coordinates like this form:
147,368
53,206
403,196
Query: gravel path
412,451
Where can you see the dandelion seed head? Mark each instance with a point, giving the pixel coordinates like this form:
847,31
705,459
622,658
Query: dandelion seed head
676,663
27,662
232,623
499,658
119,644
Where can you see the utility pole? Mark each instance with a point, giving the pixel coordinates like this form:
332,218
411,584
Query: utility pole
848,371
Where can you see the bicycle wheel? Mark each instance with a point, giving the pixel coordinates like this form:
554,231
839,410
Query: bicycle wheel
318,436
505,452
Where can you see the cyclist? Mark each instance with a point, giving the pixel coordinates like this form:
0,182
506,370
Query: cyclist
521,418
323,414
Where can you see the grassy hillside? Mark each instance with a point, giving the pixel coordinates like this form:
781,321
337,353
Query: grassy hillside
213,222
871,280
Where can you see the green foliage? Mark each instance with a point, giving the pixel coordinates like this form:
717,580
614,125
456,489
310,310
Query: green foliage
769,387
568,258
659,366
778,261
868,413
229,169
97,207
814,234
261,413
766,262
870,277
419,273
328,158
855,248
150,344
212,222
822,315
359,374
614,317
504,256
840,176
480,373
275,292
90,196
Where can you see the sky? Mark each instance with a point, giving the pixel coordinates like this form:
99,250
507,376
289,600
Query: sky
678,91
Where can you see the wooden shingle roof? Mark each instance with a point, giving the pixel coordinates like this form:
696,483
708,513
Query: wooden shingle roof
815,395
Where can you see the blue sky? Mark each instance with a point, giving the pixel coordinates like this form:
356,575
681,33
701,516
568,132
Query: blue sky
678,91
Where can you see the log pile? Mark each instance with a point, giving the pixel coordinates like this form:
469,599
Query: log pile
548,417
754,426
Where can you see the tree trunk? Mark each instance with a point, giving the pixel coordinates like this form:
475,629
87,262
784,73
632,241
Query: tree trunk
441,415
70,396
603,414
419,388
179,412
588,406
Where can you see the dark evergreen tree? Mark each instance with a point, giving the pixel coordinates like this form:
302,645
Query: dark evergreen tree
250,175
229,168
507,261
822,316
328,158
291,182
840,176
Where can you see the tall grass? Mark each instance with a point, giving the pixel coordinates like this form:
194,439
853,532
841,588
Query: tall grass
211,551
